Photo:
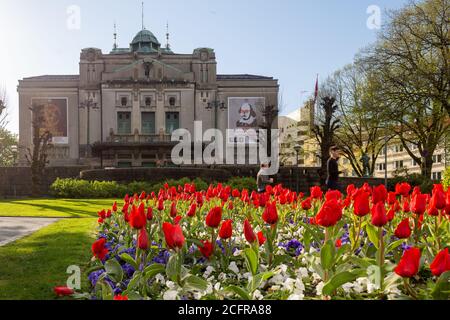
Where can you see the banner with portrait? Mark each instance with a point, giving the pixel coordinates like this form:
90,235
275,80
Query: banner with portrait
244,118
52,116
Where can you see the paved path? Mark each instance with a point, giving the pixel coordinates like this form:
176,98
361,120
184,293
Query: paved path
12,229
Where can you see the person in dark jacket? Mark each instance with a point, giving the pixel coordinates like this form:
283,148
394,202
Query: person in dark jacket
333,169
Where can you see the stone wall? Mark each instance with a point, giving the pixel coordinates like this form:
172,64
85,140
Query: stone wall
16,182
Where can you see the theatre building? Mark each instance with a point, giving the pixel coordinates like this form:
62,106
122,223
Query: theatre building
122,107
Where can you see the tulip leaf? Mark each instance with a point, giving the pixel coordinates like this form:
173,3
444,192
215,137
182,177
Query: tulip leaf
441,290
258,279
107,291
128,259
195,283
239,291
153,270
134,282
341,278
251,260
393,245
172,268
114,270
327,255
372,233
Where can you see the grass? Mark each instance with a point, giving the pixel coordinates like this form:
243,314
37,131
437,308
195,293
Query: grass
32,266
67,208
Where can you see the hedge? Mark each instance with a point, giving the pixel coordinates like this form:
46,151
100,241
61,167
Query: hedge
82,189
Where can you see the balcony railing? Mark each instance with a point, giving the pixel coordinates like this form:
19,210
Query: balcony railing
139,138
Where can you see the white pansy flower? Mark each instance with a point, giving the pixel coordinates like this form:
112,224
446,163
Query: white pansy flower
171,285
159,278
319,288
289,284
257,295
222,276
303,272
170,295
296,297
237,253
233,267
217,286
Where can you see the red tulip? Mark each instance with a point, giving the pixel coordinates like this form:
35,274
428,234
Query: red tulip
392,197
248,232
174,235
143,242
432,211
405,206
114,207
333,194
403,230
403,189
379,194
270,214
441,263
306,204
160,204
261,238
142,196
438,199
418,203
235,193
226,230
177,219
391,214
138,218
207,249
192,209
350,190
173,209
149,214
338,243
99,250
316,192
119,297
214,217
361,205
409,263
126,215
63,291
329,214
379,217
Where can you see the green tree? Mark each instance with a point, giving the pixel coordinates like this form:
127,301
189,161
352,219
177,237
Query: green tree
8,148
410,64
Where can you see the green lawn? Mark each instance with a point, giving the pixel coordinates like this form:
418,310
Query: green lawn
32,266
69,208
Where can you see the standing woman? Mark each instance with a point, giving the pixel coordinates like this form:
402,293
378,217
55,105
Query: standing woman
262,178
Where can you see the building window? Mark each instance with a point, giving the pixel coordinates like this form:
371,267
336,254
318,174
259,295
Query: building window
398,164
172,122
124,122
172,101
148,123
124,101
414,163
398,148
381,166
148,101
124,164
437,158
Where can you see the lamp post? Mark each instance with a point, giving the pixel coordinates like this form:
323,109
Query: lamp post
216,103
88,104
297,148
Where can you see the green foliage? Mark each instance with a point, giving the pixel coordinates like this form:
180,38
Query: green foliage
7,153
414,179
82,189
446,178
240,183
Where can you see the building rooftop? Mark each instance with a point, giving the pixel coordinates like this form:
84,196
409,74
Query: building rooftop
242,77
59,77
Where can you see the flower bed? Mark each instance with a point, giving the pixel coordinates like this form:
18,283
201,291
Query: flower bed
231,244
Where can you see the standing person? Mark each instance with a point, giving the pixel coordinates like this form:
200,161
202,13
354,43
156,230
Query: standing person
333,169
262,178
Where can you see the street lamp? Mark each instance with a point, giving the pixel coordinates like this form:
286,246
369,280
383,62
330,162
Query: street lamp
215,104
297,148
88,104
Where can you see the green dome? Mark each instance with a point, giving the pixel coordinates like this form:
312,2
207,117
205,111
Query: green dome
145,41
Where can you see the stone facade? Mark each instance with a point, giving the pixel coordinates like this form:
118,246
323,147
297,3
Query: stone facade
123,106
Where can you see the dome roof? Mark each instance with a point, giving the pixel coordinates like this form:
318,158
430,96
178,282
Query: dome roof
145,36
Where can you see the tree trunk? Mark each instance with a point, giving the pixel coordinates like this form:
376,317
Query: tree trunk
427,166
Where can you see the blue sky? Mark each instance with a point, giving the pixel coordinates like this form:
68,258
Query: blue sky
291,40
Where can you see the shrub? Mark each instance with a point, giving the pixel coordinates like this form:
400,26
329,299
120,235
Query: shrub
414,179
240,183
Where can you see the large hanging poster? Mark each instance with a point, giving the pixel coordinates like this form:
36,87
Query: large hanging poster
244,117
52,115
